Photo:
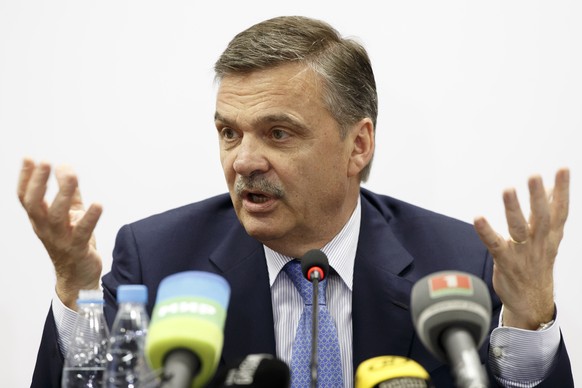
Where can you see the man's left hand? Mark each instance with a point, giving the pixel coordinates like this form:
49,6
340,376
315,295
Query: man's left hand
523,270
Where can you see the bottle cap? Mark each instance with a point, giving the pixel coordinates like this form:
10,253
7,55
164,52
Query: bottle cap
137,293
90,296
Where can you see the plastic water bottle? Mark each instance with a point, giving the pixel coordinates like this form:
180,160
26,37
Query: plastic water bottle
126,363
86,357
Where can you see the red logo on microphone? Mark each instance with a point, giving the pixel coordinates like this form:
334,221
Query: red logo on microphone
450,284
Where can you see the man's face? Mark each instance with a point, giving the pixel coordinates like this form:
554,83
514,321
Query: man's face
286,166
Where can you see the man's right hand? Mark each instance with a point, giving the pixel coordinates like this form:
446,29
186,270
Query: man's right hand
64,227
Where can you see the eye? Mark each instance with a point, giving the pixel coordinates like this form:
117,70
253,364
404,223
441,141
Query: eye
279,134
228,134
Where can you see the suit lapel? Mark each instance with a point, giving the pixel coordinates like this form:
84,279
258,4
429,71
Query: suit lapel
380,314
249,324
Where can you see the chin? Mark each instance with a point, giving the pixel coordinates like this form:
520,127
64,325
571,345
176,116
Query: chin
262,230
262,234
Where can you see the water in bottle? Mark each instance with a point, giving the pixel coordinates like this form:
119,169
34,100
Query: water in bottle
126,363
85,361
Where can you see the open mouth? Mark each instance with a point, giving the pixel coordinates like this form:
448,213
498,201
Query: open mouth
257,193
257,197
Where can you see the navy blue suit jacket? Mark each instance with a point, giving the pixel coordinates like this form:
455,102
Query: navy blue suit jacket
398,244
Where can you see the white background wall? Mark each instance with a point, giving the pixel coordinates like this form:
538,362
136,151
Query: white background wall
474,98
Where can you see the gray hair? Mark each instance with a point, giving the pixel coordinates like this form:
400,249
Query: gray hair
349,88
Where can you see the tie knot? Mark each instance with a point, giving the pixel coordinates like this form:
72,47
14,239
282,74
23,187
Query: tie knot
304,286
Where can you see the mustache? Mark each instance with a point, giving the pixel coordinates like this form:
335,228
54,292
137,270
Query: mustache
258,183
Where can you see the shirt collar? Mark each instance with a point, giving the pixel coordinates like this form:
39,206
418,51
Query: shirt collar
341,251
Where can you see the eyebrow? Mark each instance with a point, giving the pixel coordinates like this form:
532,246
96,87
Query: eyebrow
272,118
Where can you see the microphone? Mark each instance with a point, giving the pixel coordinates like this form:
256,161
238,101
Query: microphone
256,371
185,335
451,311
314,265
391,372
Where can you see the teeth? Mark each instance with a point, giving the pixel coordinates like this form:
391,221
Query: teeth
258,198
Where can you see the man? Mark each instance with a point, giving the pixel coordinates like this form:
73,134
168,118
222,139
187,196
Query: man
296,114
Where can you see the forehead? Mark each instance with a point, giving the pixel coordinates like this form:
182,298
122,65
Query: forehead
291,88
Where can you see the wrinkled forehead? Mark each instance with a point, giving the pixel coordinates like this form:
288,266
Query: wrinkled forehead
290,85
292,75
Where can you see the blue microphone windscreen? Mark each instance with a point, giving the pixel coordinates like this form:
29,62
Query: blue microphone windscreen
198,284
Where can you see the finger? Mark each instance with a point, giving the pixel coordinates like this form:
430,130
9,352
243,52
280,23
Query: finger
560,199
63,174
35,191
540,209
24,177
59,210
516,222
84,228
492,240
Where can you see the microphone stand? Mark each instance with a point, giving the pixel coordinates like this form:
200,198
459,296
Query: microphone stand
314,265
315,276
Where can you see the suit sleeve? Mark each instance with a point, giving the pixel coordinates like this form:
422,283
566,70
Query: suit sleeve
49,361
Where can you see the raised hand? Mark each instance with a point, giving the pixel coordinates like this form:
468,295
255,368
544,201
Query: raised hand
523,271
64,227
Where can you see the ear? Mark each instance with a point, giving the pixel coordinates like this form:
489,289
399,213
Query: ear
362,140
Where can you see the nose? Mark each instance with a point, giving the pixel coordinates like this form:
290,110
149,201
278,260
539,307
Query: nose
250,157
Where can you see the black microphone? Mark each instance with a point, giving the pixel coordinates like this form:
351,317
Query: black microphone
451,311
391,372
314,265
256,371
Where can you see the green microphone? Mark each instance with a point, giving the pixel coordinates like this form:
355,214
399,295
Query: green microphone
185,335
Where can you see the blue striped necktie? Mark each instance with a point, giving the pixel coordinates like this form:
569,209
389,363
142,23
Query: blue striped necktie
328,352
